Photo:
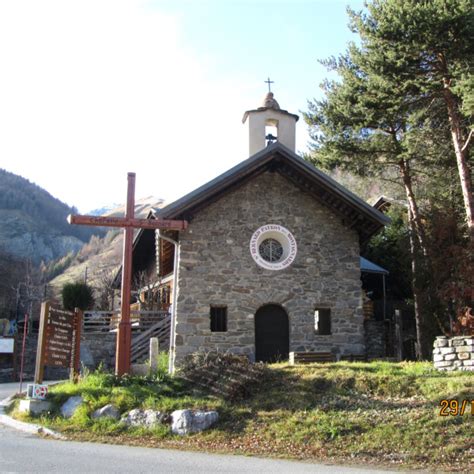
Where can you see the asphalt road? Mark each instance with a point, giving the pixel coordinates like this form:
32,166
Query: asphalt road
25,453
7,389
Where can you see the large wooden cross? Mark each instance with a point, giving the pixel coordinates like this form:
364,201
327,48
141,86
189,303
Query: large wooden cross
124,334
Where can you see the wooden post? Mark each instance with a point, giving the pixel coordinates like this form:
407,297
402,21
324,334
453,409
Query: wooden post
398,335
124,333
40,352
76,358
129,223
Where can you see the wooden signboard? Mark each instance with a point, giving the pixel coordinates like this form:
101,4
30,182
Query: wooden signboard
59,340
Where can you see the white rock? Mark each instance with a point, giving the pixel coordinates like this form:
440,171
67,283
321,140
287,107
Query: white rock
109,411
186,421
69,408
447,350
146,418
441,342
153,417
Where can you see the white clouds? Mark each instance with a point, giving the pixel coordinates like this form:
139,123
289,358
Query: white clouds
92,89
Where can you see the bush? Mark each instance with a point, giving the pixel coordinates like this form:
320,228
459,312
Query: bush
223,374
77,295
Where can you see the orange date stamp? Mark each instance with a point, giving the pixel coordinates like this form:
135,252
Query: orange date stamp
455,407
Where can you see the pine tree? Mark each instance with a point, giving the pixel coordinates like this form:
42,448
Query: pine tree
388,112
424,49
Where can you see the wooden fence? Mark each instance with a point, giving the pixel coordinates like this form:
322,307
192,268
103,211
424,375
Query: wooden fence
96,322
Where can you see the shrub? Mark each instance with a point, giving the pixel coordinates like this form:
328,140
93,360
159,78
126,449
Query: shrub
77,295
225,375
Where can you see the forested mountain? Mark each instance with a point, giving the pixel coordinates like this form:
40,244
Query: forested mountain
33,223
97,261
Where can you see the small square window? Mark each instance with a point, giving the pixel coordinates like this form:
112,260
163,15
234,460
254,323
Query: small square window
218,318
322,321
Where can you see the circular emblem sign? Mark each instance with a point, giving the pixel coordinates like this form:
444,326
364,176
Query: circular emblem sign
273,247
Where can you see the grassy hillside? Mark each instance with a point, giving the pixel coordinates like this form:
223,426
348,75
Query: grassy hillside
377,413
96,257
100,257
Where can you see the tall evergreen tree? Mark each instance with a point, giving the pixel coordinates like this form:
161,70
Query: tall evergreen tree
386,114
424,49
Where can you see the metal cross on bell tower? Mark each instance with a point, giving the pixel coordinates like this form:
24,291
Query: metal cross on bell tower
269,82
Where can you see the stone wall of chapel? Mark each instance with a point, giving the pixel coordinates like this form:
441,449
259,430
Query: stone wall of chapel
216,268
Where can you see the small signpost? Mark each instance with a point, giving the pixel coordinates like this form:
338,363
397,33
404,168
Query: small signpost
36,391
128,223
59,340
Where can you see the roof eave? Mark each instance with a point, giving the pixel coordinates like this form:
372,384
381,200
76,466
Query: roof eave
245,169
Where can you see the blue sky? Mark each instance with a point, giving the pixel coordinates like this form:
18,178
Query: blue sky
90,90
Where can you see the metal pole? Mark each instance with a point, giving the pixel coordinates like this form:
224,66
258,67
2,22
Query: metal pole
25,331
384,298
173,313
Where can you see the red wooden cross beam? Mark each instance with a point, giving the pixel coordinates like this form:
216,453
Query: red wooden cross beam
124,335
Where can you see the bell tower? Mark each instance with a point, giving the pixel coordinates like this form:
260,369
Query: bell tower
268,124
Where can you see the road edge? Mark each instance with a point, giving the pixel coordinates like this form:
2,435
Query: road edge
30,428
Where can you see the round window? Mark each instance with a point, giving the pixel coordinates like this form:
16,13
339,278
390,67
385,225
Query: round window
271,250
273,247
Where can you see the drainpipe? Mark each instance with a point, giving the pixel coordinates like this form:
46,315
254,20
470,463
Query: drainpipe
384,297
175,288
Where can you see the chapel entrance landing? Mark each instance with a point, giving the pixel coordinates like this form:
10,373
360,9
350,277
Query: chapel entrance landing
272,340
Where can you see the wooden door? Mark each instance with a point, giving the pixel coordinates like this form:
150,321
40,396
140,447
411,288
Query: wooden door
272,341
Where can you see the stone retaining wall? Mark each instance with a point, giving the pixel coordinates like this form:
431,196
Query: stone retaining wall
31,344
98,349
456,353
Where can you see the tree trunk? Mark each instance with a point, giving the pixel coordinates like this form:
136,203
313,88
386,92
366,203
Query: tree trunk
419,231
419,263
461,160
418,296
461,145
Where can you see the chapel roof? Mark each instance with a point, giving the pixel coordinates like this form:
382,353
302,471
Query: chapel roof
353,211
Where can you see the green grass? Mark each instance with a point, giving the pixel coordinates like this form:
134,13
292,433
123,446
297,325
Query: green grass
380,413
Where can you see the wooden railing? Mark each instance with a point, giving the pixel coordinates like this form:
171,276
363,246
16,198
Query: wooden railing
141,342
96,322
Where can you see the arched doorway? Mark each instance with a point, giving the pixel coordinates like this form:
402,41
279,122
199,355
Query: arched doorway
272,340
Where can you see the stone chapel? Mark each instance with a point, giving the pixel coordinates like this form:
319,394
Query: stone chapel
270,261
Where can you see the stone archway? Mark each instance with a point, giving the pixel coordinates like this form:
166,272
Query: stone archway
272,339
